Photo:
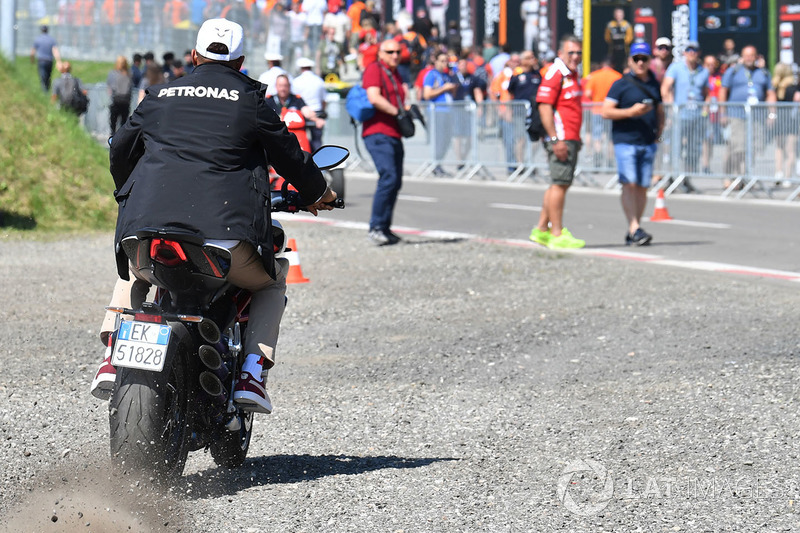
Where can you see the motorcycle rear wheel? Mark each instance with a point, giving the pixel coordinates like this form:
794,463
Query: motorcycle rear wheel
230,450
149,417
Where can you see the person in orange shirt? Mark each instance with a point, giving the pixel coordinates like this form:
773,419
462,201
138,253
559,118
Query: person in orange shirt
110,12
109,19
368,49
416,45
547,62
354,12
597,85
498,91
175,12
420,79
84,11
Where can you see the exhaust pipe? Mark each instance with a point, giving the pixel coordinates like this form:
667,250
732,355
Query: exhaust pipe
213,387
209,331
211,358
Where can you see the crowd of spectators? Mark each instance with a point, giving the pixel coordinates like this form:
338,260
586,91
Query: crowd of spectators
343,38
700,83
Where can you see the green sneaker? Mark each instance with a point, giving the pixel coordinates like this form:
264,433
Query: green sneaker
539,236
565,240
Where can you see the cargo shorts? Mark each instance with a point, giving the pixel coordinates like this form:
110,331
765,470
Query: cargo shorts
562,172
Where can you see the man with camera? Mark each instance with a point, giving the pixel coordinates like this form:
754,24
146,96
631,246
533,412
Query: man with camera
634,105
383,138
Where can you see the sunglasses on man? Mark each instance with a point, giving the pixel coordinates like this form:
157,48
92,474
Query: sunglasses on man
641,59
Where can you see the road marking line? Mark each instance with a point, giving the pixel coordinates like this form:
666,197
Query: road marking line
708,266
517,207
410,198
693,223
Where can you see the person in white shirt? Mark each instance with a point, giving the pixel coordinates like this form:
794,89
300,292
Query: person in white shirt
298,34
274,69
529,11
315,10
337,19
311,88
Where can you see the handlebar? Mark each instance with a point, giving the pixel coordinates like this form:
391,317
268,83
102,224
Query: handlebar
291,202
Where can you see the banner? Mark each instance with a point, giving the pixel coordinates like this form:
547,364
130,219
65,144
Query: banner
726,16
681,26
575,14
491,17
466,21
645,25
788,19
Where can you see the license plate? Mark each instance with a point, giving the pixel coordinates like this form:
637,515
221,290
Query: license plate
141,345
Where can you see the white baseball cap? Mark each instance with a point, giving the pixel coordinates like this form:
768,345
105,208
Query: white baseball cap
221,31
663,41
270,56
304,62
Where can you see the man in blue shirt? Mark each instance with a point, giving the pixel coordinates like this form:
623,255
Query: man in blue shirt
634,105
469,88
743,84
686,85
524,86
44,52
439,88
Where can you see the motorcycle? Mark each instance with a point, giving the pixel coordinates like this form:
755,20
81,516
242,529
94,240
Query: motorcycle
178,356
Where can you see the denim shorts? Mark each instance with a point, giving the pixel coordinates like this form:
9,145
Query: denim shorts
635,163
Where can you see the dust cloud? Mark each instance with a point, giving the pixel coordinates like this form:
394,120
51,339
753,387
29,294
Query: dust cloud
93,499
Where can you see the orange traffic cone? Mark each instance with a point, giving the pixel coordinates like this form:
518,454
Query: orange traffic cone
660,214
295,274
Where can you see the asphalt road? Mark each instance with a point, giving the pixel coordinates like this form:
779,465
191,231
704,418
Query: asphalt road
749,233
445,384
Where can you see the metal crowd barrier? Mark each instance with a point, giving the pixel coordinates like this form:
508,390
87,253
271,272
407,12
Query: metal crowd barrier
750,147
736,149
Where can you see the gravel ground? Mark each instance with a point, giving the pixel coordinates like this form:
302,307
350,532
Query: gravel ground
432,386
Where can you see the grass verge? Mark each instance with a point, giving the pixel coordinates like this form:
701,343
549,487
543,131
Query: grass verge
54,175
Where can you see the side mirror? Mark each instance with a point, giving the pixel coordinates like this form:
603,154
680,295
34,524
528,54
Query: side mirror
330,156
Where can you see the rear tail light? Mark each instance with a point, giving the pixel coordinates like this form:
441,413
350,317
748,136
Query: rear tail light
168,253
146,317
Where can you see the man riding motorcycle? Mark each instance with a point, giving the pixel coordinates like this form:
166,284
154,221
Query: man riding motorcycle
194,155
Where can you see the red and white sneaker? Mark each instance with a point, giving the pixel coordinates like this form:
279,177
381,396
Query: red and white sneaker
103,382
249,393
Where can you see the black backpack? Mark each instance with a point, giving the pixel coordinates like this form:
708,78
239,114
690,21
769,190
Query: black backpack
533,123
72,96
416,51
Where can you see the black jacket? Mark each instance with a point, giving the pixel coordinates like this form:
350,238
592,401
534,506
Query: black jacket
194,155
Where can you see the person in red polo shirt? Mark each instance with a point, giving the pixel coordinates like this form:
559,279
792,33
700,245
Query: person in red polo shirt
382,138
559,100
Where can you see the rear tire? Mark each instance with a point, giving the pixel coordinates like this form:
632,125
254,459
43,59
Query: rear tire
230,450
149,417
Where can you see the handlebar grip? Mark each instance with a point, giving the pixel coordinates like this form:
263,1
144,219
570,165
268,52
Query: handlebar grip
337,204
